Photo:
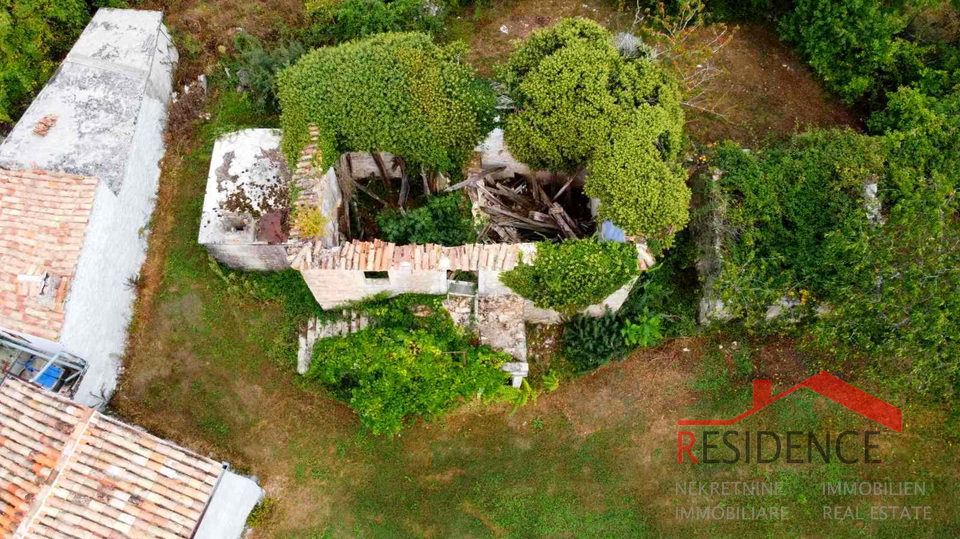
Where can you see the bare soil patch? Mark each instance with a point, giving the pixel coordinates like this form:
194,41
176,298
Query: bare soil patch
766,90
492,31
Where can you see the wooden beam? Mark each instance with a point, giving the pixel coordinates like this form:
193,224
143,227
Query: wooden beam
370,194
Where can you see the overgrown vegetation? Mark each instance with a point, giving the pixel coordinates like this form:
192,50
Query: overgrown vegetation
412,362
255,68
398,93
574,274
850,43
589,342
444,220
338,21
576,102
798,230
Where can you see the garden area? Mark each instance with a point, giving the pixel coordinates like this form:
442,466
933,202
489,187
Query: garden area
791,164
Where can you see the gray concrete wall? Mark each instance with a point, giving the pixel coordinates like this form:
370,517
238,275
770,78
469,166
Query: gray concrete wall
490,285
227,511
100,302
251,257
330,200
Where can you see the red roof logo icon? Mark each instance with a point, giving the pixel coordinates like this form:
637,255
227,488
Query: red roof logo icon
824,384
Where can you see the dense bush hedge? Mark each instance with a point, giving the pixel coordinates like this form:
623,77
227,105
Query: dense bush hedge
574,274
398,93
578,103
407,365
589,342
336,21
445,220
849,43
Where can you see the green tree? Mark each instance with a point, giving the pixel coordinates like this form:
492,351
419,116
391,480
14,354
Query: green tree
398,93
579,103
849,43
34,35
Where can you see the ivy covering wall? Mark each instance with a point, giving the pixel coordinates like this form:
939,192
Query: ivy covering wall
396,92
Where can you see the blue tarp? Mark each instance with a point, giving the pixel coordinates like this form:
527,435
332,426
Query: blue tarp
611,232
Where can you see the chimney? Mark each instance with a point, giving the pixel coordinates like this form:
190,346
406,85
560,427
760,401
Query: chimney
762,393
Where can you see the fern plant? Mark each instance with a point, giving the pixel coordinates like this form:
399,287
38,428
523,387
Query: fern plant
590,342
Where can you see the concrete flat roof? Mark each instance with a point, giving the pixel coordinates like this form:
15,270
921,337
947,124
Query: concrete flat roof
95,96
248,175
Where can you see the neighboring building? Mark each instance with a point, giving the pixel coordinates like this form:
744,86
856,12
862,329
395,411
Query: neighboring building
245,210
78,177
70,472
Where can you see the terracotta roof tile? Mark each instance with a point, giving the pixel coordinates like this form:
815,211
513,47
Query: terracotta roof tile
43,223
69,472
381,256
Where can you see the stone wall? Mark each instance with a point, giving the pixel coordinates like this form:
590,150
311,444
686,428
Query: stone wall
334,288
251,257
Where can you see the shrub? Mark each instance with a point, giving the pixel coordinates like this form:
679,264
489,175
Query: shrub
398,93
310,222
34,35
589,342
847,42
575,274
340,21
642,332
785,209
445,220
640,191
260,68
409,364
579,103
670,289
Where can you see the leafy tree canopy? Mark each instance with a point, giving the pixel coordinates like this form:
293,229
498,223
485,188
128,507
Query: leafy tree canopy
578,103
34,35
849,43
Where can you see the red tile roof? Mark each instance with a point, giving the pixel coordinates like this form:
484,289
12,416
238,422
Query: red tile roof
68,472
43,223
382,256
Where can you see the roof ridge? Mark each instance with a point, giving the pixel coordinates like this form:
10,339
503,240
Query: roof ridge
65,455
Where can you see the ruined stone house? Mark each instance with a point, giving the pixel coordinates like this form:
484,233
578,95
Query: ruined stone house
78,176
243,227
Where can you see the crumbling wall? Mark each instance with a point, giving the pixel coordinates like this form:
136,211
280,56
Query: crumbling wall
334,288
